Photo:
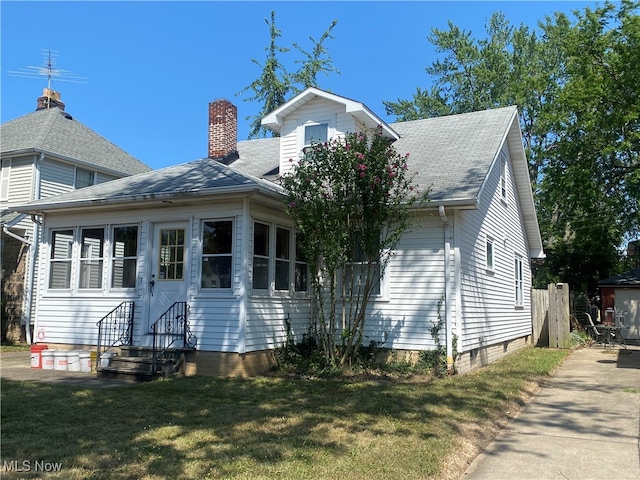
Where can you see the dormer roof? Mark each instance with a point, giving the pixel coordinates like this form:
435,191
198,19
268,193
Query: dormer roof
275,120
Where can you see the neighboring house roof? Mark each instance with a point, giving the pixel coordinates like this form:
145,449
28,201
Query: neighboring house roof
57,134
626,279
177,183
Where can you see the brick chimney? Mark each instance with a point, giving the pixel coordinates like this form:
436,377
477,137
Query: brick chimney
49,99
223,128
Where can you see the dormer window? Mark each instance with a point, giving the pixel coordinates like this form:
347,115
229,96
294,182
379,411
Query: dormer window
315,133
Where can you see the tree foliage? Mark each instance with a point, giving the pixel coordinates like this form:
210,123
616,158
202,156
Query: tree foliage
576,85
350,199
275,83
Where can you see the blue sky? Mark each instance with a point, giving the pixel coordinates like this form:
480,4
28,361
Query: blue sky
152,68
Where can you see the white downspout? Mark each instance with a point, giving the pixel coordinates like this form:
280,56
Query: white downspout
33,253
447,287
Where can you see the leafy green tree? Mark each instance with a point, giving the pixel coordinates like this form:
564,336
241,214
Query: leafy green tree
591,187
576,85
350,198
272,86
275,83
317,61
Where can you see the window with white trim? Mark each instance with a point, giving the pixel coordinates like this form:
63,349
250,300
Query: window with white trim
84,178
217,254
124,256
91,258
519,283
260,256
357,269
283,259
301,270
489,253
315,133
503,179
5,172
60,259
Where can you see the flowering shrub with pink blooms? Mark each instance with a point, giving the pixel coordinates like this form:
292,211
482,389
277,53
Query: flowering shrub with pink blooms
351,199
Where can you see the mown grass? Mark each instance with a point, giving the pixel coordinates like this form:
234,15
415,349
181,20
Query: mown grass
262,428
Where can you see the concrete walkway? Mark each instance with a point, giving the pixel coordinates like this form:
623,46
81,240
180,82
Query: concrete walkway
583,424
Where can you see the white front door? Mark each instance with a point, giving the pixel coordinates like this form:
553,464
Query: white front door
169,268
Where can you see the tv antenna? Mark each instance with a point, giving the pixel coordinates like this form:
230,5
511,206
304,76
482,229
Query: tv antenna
49,70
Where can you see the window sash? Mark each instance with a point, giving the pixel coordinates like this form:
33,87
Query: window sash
124,258
60,259
489,254
260,263
318,133
84,178
5,174
91,258
519,283
217,256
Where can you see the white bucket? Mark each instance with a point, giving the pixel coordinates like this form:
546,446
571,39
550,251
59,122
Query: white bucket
84,359
47,359
73,361
105,359
60,361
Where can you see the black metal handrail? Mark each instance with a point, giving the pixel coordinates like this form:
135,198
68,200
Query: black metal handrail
172,331
115,329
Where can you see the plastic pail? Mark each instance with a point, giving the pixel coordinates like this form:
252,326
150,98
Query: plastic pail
84,358
105,359
47,359
36,355
73,361
60,360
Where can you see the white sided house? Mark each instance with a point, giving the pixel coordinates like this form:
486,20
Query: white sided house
206,250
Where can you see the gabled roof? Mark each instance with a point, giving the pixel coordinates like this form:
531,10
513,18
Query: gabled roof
626,279
452,156
57,134
183,182
360,111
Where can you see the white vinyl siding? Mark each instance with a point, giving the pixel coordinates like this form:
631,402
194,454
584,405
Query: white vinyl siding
55,178
315,112
488,300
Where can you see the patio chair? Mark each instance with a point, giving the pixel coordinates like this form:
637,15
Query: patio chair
597,334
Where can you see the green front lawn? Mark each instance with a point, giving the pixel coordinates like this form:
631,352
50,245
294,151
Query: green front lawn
264,428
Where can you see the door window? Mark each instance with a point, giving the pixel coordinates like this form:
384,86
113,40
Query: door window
171,252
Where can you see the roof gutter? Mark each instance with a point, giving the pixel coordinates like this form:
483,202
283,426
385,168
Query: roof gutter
162,197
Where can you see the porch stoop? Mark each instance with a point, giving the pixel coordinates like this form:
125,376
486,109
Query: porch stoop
135,364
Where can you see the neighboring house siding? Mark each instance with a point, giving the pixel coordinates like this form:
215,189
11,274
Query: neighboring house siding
20,180
488,297
104,177
55,178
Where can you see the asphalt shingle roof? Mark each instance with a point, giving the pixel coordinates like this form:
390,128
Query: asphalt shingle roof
626,279
451,155
56,132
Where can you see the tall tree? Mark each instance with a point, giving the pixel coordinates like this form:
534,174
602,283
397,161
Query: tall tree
272,86
350,198
315,62
591,186
275,83
576,87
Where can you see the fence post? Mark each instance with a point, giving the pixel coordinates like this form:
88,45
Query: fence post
559,315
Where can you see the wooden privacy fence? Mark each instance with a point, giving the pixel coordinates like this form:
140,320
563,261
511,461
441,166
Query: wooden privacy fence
551,316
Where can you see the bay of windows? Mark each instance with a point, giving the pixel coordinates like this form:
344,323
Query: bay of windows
95,250
278,262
